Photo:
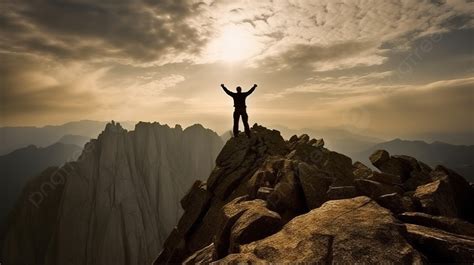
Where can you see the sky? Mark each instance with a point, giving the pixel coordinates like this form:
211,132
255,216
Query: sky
380,68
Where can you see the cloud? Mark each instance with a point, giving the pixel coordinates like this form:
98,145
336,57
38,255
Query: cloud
129,31
306,33
340,55
319,63
30,93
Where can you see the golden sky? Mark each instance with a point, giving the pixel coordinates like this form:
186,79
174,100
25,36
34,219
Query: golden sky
382,68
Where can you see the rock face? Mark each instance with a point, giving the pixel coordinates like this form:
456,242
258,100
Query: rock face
441,246
274,201
34,219
119,202
339,232
17,167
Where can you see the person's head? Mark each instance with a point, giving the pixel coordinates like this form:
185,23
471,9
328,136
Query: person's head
239,89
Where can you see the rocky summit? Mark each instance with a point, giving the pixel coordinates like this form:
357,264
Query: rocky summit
274,201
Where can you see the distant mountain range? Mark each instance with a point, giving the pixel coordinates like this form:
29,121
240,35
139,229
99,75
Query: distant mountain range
116,204
17,167
78,140
12,138
457,157
336,139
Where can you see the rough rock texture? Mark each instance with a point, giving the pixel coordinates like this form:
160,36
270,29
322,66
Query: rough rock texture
343,192
202,256
293,177
441,246
244,222
121,199
436,198
375,189
275,201
396,202
460,189
361,171
453,225
409,170
339,232
34,219
385,178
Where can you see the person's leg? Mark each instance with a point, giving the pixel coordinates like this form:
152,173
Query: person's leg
236,123
245,120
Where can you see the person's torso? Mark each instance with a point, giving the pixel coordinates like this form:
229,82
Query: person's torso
239,100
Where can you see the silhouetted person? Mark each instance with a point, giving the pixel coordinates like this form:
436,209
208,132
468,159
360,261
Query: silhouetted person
240,109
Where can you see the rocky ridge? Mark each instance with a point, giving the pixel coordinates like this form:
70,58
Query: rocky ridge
116,204
274,201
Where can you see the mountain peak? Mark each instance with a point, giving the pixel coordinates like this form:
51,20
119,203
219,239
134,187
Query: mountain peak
117,203
299,199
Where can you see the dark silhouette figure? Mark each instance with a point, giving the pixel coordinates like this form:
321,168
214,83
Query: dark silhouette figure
240,109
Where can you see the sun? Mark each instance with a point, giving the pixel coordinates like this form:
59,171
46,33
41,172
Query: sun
233,44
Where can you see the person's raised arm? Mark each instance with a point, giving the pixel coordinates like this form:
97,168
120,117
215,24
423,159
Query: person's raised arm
227,91
252,89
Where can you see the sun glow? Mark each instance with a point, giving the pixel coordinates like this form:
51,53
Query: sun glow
234,43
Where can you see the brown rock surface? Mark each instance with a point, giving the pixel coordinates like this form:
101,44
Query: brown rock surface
411,172
314,183
459,188
436,198
339,232
341,192
385,178
440,246
314,192
375,189
396,202
453,225
202,256
361,171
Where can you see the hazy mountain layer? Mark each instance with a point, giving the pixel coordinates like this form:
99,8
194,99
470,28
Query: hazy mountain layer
457,157
339,140
119,201
12,138
78,140
20,165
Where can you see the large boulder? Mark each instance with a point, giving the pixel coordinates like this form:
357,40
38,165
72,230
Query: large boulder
396,202
379,157
341,192
436,198
347,231
287,197
460,189
339,168
314,183
361,171
194,203
374,189
449,195
453,225
255,223
243,222
385,178
411,172
440,246
202,256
